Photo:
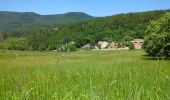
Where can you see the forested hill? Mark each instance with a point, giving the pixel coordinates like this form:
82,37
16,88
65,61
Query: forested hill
10,20
131,24
122,27
116,26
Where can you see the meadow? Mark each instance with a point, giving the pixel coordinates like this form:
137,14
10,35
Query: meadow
83,75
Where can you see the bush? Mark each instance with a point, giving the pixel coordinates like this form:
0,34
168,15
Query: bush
19,44
157,37
67,47
72,48
131,46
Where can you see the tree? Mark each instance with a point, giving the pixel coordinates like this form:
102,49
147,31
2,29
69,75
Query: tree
157,37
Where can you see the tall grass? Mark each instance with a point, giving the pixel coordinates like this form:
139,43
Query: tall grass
83,75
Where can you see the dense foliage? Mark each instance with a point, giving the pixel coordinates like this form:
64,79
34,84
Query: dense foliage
21,44
157,40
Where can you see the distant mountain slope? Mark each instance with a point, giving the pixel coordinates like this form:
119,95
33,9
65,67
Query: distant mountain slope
10,20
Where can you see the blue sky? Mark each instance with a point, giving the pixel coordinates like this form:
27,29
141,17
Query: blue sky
92,7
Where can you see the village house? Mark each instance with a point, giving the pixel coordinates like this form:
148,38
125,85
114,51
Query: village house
138,43
108,45
103,44
113,45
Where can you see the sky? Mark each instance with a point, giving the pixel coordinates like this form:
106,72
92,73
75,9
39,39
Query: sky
91,7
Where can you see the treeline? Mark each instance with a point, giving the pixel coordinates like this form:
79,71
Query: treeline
120,28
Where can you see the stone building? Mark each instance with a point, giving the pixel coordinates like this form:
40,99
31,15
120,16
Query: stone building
138,43
114,45
103,44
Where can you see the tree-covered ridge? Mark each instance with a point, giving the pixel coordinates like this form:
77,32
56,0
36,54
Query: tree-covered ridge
12,20
132,24
122,27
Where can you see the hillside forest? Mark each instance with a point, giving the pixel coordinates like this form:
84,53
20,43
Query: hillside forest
68,35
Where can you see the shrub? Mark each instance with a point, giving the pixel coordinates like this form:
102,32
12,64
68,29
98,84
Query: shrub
19,44
157,37
131,46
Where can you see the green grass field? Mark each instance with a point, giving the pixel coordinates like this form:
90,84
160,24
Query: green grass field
83,75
